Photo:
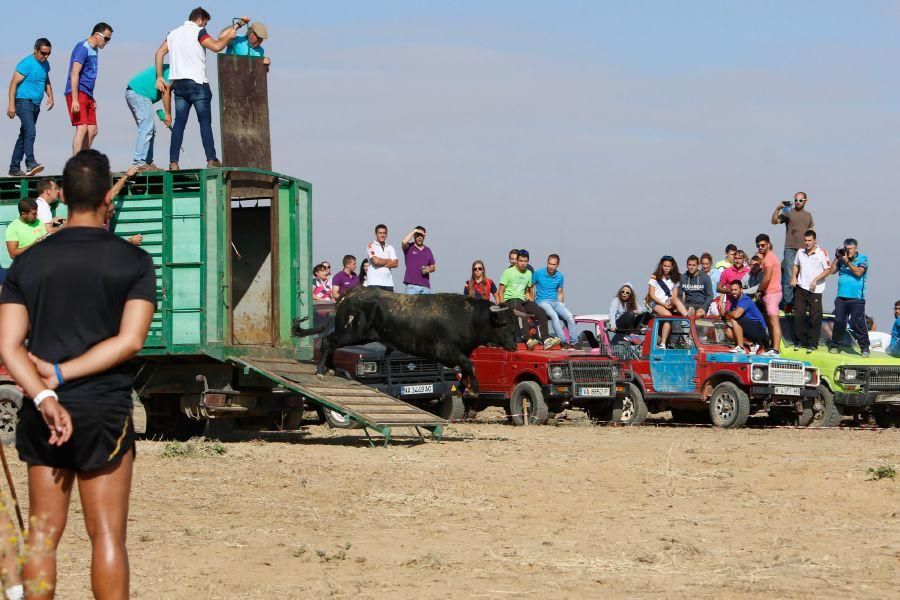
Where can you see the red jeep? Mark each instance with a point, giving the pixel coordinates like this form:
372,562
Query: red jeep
530,384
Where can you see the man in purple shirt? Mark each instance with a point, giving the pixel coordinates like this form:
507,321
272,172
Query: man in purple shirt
346,280
419,262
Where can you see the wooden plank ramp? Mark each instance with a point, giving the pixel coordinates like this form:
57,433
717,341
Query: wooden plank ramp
367,406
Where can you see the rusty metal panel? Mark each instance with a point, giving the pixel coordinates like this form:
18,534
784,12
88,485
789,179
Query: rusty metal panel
244,112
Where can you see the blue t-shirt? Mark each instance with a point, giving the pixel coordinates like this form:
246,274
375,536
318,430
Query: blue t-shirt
240,46
849,285
751,311
35,73
546,286
87,56
895,334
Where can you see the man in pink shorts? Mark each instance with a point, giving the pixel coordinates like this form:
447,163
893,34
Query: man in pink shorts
770,289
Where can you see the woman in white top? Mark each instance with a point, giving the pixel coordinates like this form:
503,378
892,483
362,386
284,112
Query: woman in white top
662,296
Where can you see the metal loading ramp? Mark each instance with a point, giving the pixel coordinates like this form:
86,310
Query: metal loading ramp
367,406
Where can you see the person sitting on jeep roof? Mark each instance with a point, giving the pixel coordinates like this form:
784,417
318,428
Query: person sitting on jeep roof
517,290
624,313
745,320
696,288
662,294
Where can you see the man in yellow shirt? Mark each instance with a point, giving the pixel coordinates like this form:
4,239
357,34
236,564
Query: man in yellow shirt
26,230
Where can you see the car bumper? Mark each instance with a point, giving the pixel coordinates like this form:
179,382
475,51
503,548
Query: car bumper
865,399
769,390
567,392
438,391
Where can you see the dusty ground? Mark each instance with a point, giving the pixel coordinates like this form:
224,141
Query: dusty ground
569,511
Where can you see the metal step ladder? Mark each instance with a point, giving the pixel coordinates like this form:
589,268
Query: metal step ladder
367,406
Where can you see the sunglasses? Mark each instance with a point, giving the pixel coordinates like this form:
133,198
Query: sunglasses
625,293
478,269
105,37
42,53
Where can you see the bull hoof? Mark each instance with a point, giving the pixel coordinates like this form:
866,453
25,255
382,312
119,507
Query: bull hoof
321,376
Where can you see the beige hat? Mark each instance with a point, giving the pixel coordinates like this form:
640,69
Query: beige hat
259,29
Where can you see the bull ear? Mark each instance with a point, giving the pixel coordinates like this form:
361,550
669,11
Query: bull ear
520,314
496,309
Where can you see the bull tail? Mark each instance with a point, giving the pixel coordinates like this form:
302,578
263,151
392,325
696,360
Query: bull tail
298,331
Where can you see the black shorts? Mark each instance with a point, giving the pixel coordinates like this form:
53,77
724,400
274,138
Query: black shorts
754,332
101,435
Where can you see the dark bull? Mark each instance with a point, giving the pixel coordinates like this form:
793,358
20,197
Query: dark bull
442,327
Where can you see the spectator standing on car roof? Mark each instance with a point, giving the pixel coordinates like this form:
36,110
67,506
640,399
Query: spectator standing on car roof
811,266
549,284
480,286
769,292
346,279
663,295
517,290
745,320
706,265
736,272
363,272
382,259
894,347
30,81
852,269
696,288
797,221
419,262
624,312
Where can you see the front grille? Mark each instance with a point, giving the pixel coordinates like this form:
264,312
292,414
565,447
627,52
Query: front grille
414,370
783,372
592,371
884,379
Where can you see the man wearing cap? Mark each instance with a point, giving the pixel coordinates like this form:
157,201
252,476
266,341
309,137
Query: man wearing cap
250,44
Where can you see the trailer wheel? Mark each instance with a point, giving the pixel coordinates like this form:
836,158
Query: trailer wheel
10,403
338,421
729,406
631,408
527,396
451,407
825,412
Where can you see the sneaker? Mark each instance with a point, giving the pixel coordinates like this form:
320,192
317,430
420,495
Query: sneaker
16,173
213,164
550,343
173,166
34,170
754,348
531,344
738,350
796,348
865,353
771,352
834,350
661,347
810,350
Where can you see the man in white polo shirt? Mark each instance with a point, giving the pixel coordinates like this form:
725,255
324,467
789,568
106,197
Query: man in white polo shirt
382,259
811,267
187,47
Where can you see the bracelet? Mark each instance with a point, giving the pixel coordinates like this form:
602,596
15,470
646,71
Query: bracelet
59,376
43,396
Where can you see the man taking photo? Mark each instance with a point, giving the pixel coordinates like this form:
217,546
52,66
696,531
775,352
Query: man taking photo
852,269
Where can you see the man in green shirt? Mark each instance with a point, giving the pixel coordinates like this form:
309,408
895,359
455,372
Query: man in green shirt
26,230
141,94
517,290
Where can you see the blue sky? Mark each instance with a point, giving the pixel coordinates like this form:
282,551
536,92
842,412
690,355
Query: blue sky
608,132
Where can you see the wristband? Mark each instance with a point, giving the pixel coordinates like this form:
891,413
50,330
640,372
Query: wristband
59,376
43,396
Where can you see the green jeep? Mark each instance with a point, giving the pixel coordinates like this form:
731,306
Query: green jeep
850,385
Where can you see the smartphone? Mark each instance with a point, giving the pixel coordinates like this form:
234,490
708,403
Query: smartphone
786,203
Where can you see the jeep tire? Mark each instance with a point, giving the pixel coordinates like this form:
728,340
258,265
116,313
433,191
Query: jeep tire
825,412
631,408
528,393
451,407
729,406
10,403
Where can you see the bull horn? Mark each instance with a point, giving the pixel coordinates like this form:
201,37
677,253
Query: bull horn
495,308
520,314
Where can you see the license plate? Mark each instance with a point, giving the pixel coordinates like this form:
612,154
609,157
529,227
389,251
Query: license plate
786,390
602,392
425,388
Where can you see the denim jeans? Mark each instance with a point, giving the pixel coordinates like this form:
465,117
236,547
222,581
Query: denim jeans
556,310
787,267
142,111
855,309
27,112
189,93
417,290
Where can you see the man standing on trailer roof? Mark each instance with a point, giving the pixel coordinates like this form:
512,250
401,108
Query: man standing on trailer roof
30,81
83,68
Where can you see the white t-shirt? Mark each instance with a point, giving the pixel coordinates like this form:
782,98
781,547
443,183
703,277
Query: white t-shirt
658,291
811,266
187,58
44,214
380,275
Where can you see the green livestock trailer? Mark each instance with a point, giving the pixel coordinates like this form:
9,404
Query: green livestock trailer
233,255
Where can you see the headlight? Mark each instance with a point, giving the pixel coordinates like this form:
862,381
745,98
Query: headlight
808,376
759,373
366,368
849,374
559,373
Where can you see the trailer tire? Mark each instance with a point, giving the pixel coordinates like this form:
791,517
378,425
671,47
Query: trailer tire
729,406
631,409
451,407
336,420
528,393
10,403
825,412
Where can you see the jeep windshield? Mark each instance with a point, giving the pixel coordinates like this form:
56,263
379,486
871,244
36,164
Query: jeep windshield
711,332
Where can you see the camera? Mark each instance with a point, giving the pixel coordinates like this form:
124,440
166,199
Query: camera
840,252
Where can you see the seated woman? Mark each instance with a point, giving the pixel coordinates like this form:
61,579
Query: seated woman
624,314
662,296
480,286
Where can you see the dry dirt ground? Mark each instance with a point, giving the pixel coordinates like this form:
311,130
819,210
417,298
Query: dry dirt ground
493,511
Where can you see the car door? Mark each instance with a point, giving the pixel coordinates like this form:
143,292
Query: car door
674,368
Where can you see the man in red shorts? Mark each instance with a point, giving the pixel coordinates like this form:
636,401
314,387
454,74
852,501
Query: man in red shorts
83,66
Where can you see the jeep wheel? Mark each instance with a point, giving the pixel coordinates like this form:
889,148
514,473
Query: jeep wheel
528,397
451,407
825,412
631,408
10,403
729,406
338,421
